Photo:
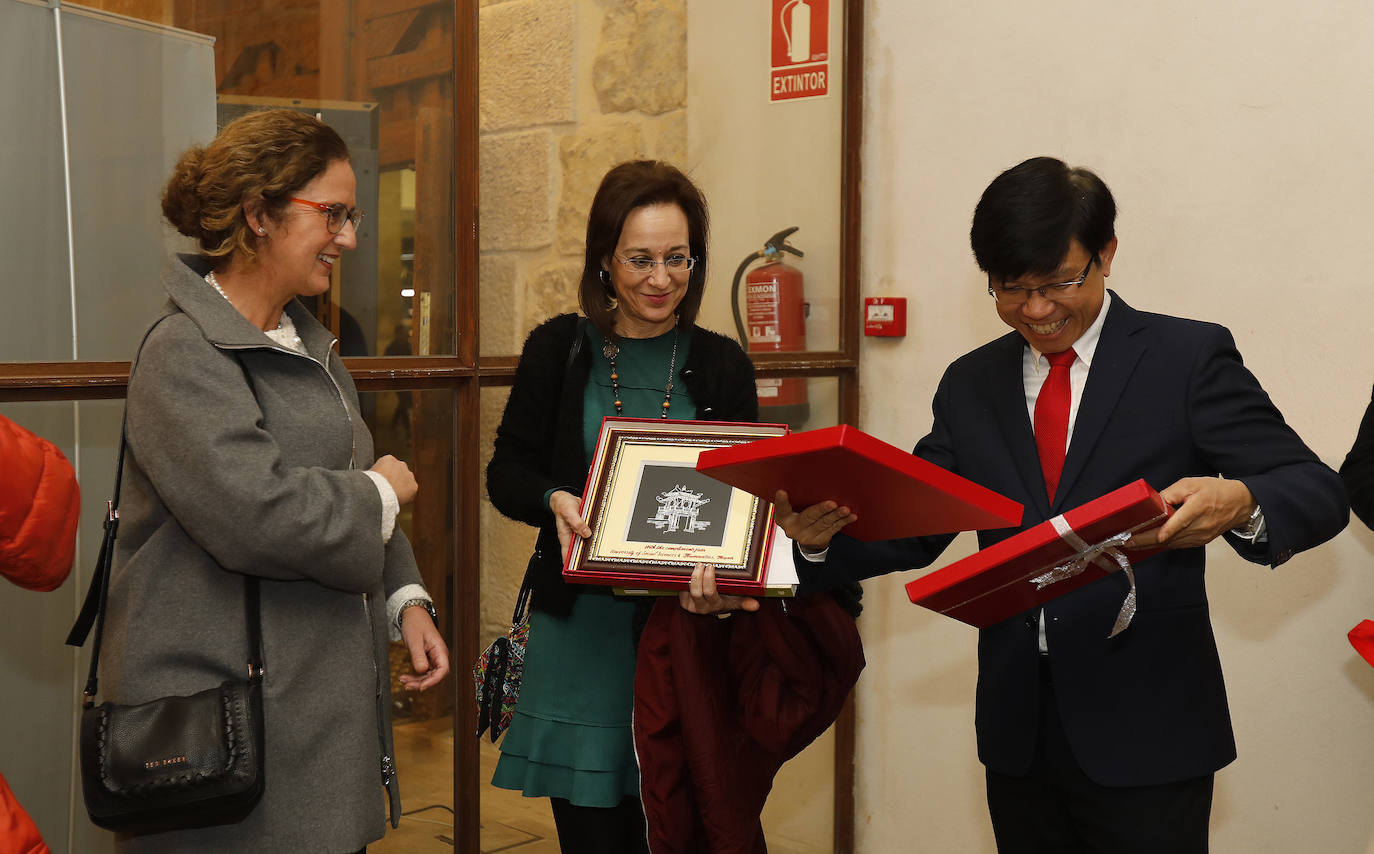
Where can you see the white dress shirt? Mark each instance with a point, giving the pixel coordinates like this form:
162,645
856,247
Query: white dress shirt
1035,369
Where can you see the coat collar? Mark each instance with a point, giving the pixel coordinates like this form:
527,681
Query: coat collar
221,323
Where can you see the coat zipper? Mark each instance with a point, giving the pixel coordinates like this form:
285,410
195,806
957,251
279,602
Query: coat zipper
388,765
338,391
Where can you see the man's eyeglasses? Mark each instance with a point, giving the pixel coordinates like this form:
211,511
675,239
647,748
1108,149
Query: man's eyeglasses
1015,295
645,264
335,215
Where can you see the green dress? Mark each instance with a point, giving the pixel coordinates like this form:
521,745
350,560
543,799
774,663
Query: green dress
571,735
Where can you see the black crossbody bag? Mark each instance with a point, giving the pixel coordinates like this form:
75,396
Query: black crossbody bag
173,762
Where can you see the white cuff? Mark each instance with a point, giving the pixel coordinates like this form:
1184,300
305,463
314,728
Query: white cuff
391,506
814,557
393,606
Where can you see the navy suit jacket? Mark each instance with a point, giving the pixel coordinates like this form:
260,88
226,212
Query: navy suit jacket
1166,398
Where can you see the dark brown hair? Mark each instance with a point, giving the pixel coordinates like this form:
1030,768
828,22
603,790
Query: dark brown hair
267,155
631,185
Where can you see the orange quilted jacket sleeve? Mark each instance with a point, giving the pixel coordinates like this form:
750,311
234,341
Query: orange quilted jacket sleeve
39,508
18,835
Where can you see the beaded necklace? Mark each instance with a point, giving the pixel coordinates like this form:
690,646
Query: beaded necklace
214,283
611,351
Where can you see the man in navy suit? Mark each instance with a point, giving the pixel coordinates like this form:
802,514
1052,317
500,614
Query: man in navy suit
1095,743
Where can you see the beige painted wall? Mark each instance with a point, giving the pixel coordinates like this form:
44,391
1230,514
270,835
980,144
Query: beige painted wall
1236,138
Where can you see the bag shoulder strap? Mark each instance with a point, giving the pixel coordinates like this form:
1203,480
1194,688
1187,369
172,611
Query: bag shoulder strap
94,604
522,599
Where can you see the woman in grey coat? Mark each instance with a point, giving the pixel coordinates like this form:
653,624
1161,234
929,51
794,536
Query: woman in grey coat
248,456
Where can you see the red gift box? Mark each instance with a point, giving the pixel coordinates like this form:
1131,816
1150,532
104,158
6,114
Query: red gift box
893,493
1362,638
1046,561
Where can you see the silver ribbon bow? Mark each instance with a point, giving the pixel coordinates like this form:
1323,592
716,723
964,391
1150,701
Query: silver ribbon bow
1094,554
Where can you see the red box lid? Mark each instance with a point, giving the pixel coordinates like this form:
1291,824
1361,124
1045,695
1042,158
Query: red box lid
894,493
994,584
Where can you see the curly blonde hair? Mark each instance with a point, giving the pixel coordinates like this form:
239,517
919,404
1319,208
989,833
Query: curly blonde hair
266,155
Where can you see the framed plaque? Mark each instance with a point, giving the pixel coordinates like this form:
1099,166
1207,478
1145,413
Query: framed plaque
654,516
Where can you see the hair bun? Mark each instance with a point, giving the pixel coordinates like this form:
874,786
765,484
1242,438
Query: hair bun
181,202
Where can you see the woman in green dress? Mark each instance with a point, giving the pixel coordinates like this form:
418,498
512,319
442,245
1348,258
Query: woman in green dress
635,352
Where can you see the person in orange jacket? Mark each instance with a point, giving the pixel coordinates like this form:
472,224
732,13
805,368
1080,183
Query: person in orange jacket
39,508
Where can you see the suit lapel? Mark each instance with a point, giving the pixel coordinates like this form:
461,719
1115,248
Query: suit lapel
1007,395
1113,362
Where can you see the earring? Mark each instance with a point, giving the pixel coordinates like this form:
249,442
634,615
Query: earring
605,277
612,303
261,230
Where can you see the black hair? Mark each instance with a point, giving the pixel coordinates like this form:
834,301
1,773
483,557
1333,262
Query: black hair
1029,213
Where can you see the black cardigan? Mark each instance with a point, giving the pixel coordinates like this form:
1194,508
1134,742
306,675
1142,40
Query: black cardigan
539,444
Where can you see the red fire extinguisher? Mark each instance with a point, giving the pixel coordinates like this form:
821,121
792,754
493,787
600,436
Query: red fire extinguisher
775,320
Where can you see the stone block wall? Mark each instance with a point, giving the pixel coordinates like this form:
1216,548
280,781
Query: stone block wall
568,89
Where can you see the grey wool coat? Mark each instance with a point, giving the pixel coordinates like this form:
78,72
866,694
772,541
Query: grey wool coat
226,477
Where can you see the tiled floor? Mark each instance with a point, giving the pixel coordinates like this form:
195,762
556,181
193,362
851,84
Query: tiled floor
513,824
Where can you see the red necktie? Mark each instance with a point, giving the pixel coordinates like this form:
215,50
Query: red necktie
1052,419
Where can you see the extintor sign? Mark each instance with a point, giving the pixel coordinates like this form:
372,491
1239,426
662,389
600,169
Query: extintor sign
800,60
